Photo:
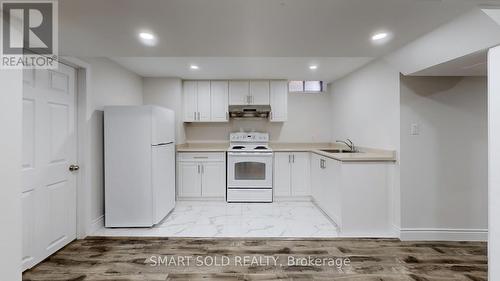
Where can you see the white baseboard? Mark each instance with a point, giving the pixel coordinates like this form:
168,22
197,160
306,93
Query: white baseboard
443,234
97,224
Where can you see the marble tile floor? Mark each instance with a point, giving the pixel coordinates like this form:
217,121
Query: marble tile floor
221,219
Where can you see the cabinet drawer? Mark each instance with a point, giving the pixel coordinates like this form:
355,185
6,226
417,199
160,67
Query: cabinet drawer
201,156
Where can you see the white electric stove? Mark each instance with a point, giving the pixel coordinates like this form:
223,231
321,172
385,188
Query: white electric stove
249,168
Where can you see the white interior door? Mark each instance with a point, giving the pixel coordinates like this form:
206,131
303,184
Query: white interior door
49,148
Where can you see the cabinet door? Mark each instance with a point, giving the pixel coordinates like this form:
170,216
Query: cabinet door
316,173
219,102
238,92
213,179
190,100
259,92
204,101
282,174
332,189
279,101
300,174
189,181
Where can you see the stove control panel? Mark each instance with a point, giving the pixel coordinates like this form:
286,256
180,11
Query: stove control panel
249,137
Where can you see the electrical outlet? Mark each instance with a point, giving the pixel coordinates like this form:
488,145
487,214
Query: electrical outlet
414,129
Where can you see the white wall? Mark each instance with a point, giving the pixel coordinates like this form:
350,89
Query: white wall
444,168
308,116
494,162
365,108
10,174
472,32
166,92
110,84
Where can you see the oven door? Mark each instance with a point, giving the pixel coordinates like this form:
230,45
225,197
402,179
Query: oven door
250,170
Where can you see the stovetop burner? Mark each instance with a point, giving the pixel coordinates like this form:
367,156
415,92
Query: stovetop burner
238,147
260,147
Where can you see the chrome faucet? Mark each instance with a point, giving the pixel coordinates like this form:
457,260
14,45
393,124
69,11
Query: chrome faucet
349,144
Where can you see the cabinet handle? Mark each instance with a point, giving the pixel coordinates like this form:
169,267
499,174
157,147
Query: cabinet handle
199,116
194,113
289,158
198,166
200,157
202,169
293,158
227,115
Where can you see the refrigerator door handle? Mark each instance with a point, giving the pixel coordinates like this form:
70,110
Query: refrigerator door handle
162,143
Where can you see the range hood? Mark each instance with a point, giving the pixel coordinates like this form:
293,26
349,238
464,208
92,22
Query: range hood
249,111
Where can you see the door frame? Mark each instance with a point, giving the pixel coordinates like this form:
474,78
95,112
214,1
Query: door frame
83,74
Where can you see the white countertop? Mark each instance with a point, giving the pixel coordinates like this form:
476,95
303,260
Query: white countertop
365,154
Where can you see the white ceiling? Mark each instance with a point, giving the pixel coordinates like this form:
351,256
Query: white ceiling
231,39
329,69
471,65
256,28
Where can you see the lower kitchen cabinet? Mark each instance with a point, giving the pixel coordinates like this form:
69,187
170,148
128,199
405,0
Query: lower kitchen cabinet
325,186
189,179
292,174
201,175
213,179
355,195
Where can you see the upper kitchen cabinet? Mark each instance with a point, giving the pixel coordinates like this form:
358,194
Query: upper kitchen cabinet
279,100
259,92
204,97
239,92
249,92
219,101
205,101
190,100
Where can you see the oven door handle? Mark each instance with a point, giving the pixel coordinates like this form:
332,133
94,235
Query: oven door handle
250,154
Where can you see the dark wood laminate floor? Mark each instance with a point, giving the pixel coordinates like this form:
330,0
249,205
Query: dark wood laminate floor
131,259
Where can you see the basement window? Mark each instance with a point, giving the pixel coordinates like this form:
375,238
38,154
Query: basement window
306,86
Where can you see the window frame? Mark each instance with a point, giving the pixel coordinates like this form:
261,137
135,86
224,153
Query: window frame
322,85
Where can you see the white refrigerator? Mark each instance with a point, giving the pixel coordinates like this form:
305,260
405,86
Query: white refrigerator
139,165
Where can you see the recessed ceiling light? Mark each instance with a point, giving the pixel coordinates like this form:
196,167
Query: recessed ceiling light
193,66
313,67
379,36
146,36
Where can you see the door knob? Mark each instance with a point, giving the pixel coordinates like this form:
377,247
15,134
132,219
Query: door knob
73,168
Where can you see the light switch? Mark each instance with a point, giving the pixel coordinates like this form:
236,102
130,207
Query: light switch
414,129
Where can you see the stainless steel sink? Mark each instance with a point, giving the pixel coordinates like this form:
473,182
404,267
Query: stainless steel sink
338,151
